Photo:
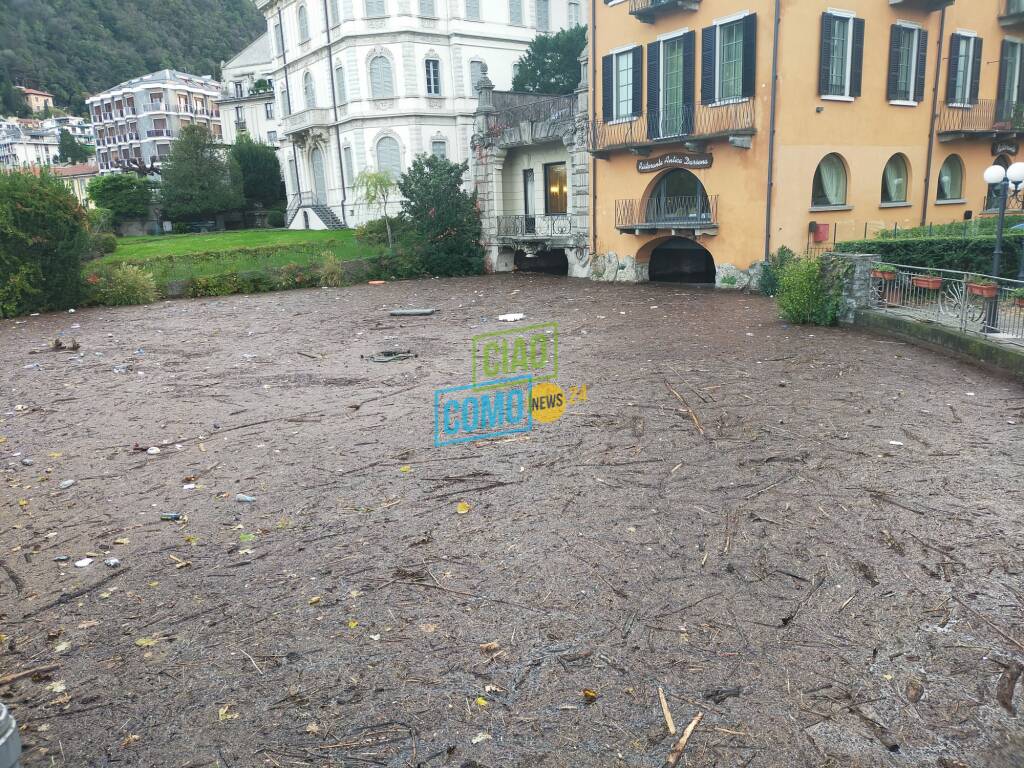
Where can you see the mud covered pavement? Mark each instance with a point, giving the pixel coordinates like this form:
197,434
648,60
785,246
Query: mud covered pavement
811,536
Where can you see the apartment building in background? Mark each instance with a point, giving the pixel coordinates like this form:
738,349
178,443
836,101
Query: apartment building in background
135,122
372,83
38,101
247,103
79,128
883,113
26,144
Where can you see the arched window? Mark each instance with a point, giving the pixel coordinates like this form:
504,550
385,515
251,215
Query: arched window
389,156
382,84
308,91
303,24
951,179
895,180
829,187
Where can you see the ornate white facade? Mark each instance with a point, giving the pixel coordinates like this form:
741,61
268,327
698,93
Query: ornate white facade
248,104
371,83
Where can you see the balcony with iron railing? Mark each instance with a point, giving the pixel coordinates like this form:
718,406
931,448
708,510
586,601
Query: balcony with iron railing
986,118
532,122
156,132
1011,15
690,212
525,227
306,119
698,122
648,10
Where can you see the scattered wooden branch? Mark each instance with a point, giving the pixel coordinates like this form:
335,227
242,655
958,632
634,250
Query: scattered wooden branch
689,410
68,596
16,676
1004,635
677,751
665,711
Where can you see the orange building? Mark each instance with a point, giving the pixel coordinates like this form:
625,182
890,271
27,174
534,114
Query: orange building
724,129
38,101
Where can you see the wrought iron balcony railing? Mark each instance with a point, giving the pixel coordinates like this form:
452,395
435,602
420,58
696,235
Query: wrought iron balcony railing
689,212
1012,13
687,122
540,227
646,10
532,121
987,117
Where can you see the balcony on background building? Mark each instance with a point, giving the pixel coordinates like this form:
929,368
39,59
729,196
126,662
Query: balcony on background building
921,5
1011,15
153,132
307,119
521,120
986,119
694,213
696,123
648,10
240,126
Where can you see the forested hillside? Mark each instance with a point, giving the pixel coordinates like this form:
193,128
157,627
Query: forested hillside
76,47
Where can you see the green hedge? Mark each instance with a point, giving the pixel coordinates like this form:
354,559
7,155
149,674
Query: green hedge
973,255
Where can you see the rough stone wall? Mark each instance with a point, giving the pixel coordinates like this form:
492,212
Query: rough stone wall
857,282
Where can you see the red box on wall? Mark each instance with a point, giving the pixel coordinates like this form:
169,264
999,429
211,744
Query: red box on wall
821,233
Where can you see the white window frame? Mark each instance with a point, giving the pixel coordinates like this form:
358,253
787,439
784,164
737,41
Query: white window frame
662,39
969,69
426,73
718,24
849,16
913,63
626,49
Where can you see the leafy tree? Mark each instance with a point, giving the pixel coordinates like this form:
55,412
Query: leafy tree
198,179
125,195
261,171
443,219
43,237
12,101
377,187
550,64
69,150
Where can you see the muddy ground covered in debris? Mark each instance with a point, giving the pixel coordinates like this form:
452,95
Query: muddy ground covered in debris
831,572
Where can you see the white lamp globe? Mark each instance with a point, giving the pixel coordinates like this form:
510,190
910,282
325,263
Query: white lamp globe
1015,173
995,174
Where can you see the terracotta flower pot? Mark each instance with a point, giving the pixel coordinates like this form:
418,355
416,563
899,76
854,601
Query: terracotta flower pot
986,291
876,273
927,282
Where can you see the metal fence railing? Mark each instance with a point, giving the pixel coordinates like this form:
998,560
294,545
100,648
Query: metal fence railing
970,302
548,118
551,225
692,121
982,116
687,212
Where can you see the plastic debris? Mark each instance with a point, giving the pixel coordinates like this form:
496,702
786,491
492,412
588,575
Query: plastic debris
83,563
61,559
65,484
112,562
411,312
511,317
244,498
171,516
375,282
153,450
27,462
391,355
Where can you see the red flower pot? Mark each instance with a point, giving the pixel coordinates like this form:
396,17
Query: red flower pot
928,283
987,291
883,275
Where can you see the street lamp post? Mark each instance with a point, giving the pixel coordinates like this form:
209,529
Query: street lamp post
1002,179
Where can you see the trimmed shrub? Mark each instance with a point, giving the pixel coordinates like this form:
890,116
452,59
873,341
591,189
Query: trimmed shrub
969,255
214,285
808,294
375,233
773,266
43,238
101,245
123,285
275,218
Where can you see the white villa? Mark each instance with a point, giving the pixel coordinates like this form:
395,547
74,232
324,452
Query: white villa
247,103
371,83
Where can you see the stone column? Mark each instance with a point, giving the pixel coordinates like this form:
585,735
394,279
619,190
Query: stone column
855,271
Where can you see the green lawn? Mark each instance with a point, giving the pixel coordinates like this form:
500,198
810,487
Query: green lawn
140,248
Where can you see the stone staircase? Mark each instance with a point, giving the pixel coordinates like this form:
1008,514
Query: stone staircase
327,216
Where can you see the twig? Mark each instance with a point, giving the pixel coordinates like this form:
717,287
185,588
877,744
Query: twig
689,410
677,751
16,676
664,711
250,658
464,594
1005,636
68,596
749,496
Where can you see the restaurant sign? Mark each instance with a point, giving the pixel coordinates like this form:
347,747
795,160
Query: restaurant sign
1005,148
691,160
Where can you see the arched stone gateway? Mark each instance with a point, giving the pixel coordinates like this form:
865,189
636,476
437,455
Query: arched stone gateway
681,260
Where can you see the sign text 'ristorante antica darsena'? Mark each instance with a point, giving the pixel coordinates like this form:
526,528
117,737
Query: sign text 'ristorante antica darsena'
674,160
